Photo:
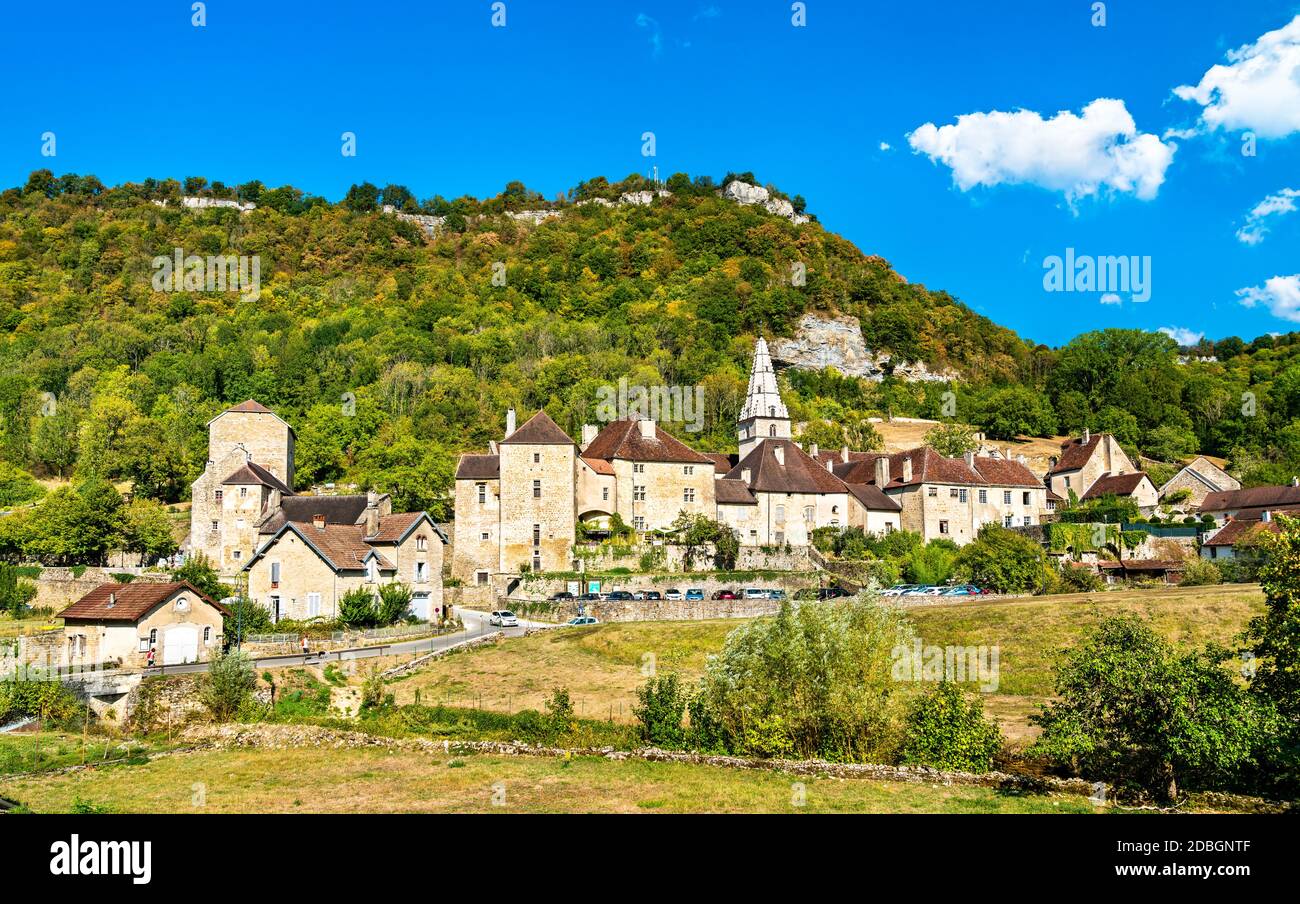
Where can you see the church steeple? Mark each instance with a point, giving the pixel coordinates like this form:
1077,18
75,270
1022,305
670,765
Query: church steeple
764,415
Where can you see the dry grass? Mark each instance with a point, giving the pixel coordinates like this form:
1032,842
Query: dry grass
376,781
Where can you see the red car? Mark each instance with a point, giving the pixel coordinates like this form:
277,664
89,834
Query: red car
724,595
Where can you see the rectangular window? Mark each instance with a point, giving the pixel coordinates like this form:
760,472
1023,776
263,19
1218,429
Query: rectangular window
932,492
481,578
779,536
1008,520
421,572
780,513
214,527
313,605
961,496
1067,483
537,535
207,634
484,536
943,527
243,491
537,458
604,494
638,523
688,470
220,494
235,553
482,493
275,574
952,492
638,468
638,493
1028,520
808,513
421,543
537,489
688,494
1024,498
1006,497
984,496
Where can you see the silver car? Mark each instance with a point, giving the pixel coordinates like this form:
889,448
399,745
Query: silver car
503,617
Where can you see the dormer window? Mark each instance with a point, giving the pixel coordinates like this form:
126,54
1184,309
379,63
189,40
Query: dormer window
421,543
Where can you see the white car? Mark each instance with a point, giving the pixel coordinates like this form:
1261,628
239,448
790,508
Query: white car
756,593
672,594
503,617
584,620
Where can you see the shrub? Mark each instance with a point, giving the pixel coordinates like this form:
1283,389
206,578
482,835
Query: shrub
1198,572
229,685
15,593
559,709
1078,580
48,701
661,704
372,690
1003,560
946,729
357,609
394,604
1134,711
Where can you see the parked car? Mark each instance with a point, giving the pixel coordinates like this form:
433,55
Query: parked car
757,593
963,590
653,595
695,594
897,589
832,593
672,594
638,594
503,617
776,595
619,595
583,620
724,594
923,590
563,595
589,597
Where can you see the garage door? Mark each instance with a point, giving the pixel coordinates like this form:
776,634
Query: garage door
420,606
180,645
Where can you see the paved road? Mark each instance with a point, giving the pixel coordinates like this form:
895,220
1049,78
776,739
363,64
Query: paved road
476,625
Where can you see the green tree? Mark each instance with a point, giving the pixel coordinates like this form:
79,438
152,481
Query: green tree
952,440
148,531
1004,561
228,685
946,729
394,604
198,571
357,609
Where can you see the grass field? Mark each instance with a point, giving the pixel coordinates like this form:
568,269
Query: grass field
603,665
317,780
12,627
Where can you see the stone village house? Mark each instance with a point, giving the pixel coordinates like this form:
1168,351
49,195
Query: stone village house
120,623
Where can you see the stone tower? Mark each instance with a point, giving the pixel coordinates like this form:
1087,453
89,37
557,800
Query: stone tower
537,508
764,415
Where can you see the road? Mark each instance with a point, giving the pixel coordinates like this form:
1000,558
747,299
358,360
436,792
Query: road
476,625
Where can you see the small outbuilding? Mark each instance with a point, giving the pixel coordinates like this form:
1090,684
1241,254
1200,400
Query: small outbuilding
121,623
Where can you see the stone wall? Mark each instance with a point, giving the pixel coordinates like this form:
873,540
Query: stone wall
58,588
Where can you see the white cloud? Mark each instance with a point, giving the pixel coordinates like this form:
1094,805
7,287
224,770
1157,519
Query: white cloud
1111,298
656,33
1281,295
1275,205
1181,335
1079,155
886,146
1258,89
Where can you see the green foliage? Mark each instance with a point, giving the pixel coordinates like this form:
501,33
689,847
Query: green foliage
695,532
1198,572
559,709
228,686
1004,561
17,487
815,681
48,701
932,563
15,593
1133,711
946,729
661,705
952,440
245,617
1274,641
199,572
358,609
394,604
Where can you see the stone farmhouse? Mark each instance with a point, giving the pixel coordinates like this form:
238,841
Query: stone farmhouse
301,553
1200,477
1093,466
1253,503
121,623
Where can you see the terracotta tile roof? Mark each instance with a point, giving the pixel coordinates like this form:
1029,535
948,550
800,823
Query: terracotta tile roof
799,473
130,602
599,465
722,461
343,546
1257,512
1255,497
1115,485
346,509
393,527
928,466
539,430
253,474
1075,453
1245,533
1005,472
478,467
873,498
733,492
250,407
1052,497
836,456
623,439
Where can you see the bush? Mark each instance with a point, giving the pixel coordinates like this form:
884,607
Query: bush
394,604
946,729
357,609
229,685
1133,711
661,704
1004,561
1199,572
1078,580
559,709
48,701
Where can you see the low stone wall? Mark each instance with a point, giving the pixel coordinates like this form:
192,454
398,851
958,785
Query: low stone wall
292,645
669,610
750,558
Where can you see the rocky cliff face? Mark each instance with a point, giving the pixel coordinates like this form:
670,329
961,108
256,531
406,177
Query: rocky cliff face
824,341
744,193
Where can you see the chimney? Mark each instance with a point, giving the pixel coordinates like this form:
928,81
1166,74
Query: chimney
830,465
779,452
907,469
112,599
882,471
812,450
970,460
745,474
844,454
1266,516
1087,434
372,513
647,429
1295,481
492,447
318,521
510,421
589,432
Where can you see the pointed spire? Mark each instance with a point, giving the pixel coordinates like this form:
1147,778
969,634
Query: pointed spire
763,398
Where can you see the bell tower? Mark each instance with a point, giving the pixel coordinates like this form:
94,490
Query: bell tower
764,415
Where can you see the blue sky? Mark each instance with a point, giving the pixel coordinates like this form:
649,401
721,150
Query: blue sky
443,102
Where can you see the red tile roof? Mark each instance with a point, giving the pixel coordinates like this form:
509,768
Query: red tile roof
799,473
722,461
129,602
250,407
540,430
1115,485
342,546
873,499
733,492
623,439
1244,533
393,527
1075,453
253,474
1255,497
599,465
